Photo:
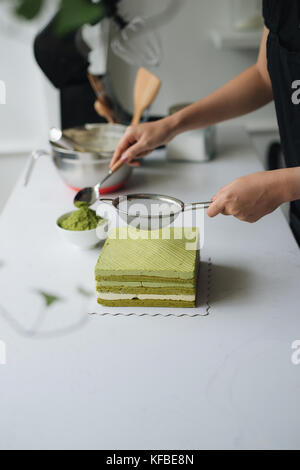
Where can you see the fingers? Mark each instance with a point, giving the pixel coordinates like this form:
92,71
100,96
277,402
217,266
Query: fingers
124,144
135,151
244,198
136,163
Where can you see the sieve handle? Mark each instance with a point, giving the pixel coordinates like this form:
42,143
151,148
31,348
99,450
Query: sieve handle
197,205
35,156
106,201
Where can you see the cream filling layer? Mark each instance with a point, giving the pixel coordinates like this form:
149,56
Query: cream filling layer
112,296
178,285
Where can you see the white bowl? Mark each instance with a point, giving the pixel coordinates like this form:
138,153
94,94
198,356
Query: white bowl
85,239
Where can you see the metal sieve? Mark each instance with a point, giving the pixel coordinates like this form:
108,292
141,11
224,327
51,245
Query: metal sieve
151,211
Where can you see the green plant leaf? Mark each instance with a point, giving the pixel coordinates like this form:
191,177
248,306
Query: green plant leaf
29,9
84,292
49,298
75,13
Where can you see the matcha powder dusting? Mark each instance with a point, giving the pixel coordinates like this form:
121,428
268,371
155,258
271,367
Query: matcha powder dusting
81,220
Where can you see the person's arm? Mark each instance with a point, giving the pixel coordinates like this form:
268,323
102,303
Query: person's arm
253,196
245,93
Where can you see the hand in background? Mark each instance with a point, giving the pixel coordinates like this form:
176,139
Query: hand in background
251,197
139,141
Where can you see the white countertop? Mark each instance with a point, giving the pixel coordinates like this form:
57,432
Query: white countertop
221,381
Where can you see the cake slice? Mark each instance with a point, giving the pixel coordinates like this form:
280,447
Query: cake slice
151,269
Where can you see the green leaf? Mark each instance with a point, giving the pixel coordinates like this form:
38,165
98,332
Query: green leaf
49,298
74,14
84,292
29,9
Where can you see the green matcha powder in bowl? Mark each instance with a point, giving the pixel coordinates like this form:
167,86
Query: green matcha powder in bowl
83,228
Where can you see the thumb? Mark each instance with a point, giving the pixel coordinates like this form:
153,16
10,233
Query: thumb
215,208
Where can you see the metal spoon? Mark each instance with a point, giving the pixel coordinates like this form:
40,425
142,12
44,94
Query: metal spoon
91,195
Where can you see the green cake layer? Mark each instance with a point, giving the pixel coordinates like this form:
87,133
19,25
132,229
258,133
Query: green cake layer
158,283
146,290
136,270
147,303
137,256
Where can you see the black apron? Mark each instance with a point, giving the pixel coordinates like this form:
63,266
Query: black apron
282,18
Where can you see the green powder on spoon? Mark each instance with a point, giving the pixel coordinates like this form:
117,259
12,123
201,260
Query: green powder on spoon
81,220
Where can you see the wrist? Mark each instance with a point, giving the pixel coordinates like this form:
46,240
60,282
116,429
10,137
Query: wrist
287,181
174,124
292,183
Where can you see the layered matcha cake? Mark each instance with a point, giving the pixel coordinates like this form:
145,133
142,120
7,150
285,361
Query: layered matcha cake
150,269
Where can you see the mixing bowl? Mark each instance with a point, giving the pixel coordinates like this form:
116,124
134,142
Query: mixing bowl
88,163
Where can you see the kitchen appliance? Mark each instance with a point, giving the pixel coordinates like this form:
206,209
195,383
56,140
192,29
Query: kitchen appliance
151,211
136,44
198,145
146,89
80,169
138,41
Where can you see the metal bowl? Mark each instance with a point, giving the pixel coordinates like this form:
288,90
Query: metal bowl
80,169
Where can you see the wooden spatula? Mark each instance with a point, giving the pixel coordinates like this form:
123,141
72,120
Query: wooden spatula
146,89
